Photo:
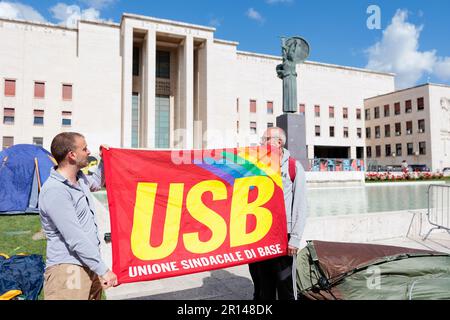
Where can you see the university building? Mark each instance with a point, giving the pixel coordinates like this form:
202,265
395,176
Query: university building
159,84
412,125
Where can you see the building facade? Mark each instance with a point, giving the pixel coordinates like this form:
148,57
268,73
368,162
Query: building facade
412,125
160,84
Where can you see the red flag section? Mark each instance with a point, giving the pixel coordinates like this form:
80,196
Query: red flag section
180,212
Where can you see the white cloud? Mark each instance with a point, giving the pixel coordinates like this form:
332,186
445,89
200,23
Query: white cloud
69,15
442,68
278,1
98,4
16,10
398,52
215,22
255,15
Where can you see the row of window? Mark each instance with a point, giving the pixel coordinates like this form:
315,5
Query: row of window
269,106
253,127
301,110
331,132
331,112
38,117
9,142
388,152
39,90
398,129
397,109
253,130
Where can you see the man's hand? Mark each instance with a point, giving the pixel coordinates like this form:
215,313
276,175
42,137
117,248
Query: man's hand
103,146
108,280
292,251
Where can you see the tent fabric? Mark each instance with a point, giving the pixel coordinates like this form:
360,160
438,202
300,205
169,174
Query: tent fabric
21,276
18,178
352,271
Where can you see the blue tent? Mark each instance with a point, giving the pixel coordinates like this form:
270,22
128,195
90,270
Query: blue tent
23,170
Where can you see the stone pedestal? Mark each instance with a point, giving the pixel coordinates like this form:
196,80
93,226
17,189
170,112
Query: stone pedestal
295,127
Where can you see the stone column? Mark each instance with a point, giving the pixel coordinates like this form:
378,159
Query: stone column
127,84
150,87
187,86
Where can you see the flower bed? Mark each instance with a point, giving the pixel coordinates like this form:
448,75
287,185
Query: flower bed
394,177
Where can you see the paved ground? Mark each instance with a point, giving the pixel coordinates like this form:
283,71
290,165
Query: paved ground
235,283
232,283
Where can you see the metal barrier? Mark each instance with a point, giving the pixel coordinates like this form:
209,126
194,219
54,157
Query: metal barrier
438,208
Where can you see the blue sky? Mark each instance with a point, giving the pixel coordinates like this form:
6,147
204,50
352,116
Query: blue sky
415,44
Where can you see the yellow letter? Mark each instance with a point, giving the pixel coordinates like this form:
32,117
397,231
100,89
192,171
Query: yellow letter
206,216
143,217
240,209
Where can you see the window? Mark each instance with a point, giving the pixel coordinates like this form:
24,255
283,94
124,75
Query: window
408,106
368,134
331,112
8,115
269,107
345,113
377,113
369,152
378,151
39,90
422,148
398,149
302,109
135,116
253,127
136,61
269,124
421,125
387,110
317,131
253,106
358,114
345,132
410,148
163,64
397,108
367,114
38,117
420,104
359,133
387,149
398,129
237,105
409,128
317,111
38,141
67,92
331,131
66,118
377,132
10,88
387,130
8,142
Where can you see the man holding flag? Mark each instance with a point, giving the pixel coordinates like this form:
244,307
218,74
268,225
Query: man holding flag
276,277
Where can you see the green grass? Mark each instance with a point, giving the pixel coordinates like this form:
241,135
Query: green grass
16,234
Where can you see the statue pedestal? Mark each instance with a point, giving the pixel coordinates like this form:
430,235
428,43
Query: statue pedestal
295,127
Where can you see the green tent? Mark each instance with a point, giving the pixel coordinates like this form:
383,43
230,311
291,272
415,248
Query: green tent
355,271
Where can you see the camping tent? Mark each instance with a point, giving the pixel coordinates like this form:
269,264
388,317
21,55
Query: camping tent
23,170
354,271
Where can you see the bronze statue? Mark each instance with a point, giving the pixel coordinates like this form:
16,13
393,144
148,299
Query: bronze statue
295,50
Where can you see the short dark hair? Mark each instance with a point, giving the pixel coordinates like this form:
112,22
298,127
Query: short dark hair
62,144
